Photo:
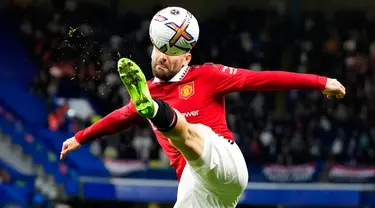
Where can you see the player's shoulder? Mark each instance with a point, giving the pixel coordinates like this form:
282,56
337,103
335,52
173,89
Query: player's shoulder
206,66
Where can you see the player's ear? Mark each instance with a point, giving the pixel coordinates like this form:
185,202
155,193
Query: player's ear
187,58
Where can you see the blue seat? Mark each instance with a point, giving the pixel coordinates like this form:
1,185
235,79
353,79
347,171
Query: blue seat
11,194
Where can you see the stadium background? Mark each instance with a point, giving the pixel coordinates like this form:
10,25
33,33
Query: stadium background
58,75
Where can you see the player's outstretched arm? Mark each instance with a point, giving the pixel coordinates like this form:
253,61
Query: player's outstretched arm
112,123
228,79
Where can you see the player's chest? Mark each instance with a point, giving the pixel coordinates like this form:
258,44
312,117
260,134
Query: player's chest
184,96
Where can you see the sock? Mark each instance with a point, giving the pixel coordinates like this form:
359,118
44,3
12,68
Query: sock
165,118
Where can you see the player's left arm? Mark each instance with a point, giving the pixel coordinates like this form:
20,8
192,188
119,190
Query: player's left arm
229,79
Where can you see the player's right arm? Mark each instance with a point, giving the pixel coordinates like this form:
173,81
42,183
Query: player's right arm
114,122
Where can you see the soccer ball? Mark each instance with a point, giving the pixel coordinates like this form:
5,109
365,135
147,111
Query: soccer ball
174,31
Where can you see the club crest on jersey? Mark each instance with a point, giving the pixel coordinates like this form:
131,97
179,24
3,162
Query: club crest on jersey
186,90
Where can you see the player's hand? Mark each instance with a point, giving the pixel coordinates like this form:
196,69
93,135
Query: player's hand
334,89
69,145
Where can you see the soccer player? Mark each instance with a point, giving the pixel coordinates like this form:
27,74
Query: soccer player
185,106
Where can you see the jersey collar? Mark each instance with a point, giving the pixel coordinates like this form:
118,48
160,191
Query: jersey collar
178,77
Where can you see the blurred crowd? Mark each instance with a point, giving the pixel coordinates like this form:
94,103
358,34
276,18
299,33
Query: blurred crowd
76,46
5,177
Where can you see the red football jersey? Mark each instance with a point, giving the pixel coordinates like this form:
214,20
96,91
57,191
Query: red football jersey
198,93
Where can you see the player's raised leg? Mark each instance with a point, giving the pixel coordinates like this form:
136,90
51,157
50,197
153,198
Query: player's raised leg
216,173
169,121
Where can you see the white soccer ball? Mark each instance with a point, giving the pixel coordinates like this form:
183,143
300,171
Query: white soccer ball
174,31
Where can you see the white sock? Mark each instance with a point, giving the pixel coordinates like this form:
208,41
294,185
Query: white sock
156,106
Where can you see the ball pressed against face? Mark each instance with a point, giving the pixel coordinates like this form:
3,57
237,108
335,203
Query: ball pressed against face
166,67
174,31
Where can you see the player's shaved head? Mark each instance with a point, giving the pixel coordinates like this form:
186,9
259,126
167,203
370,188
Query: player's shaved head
166,67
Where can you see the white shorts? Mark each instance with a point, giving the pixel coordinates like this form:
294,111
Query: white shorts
217,179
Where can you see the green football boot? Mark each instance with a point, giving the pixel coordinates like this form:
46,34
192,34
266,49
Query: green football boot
136,84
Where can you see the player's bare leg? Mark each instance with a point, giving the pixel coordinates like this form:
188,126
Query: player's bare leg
170,122
183,135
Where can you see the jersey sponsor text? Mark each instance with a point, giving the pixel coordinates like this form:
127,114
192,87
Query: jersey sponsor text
191,113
